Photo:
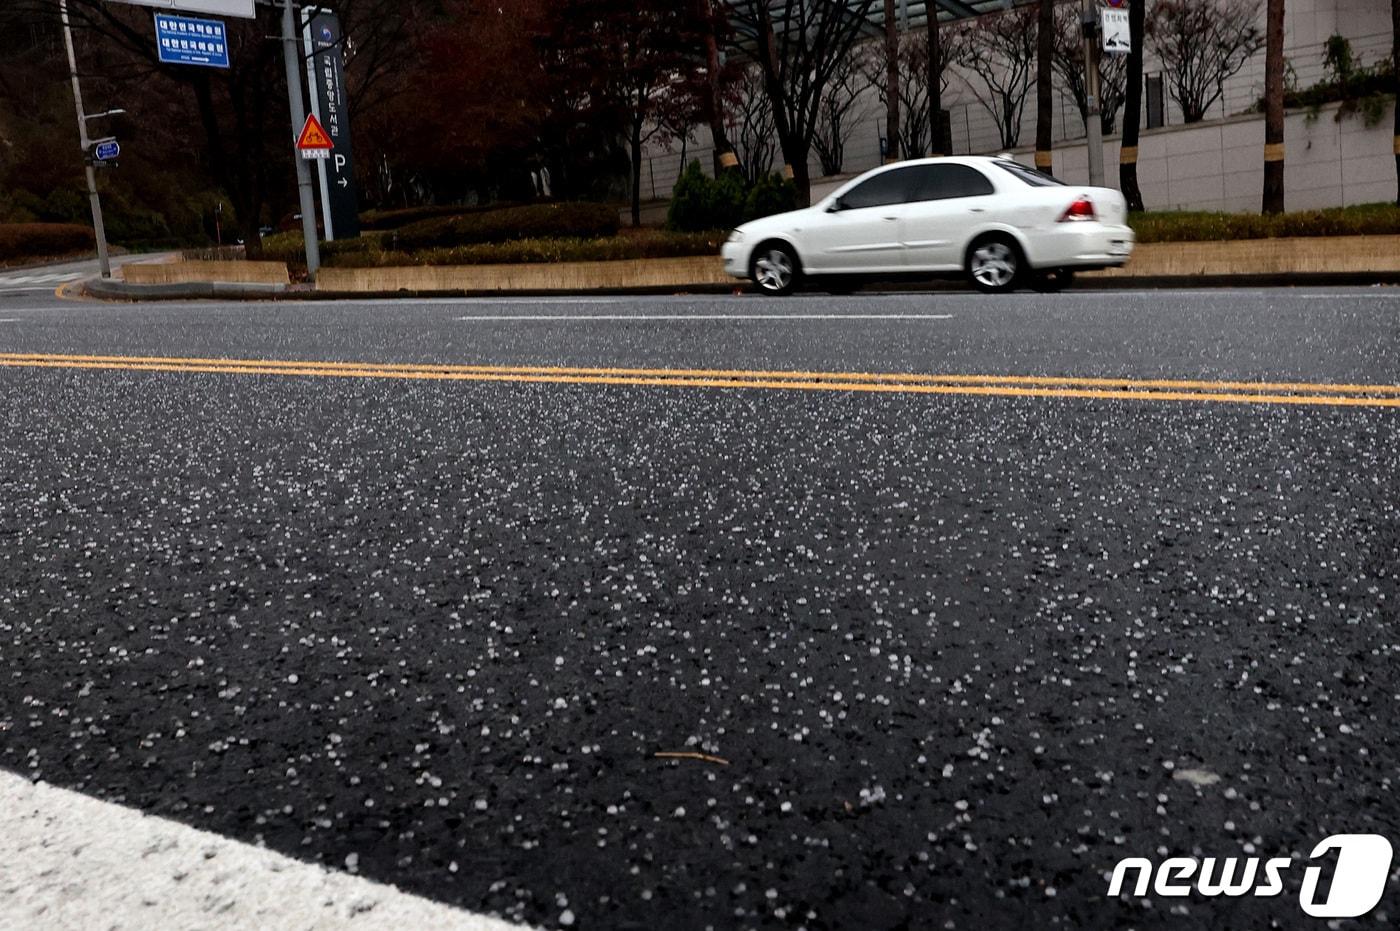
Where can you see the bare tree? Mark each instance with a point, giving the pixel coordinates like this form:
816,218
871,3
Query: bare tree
934,78
1395,60
944,47
1001,53
891,85
1203,43
1132,108
1069,69
1273,110
911,63
750,125
714,98
799,43
841,110
1047,38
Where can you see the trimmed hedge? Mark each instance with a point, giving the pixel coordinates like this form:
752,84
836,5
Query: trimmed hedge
369,251
1184,226
568,220
41,240
383,220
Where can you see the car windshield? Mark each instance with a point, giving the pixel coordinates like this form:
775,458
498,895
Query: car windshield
1030,176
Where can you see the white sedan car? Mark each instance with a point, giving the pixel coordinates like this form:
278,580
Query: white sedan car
1001,224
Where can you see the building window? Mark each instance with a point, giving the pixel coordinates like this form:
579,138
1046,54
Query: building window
1156,112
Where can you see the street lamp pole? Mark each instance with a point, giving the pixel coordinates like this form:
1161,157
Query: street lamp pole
292,58
103,260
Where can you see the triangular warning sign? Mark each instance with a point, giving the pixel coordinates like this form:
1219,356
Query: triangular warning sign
313,136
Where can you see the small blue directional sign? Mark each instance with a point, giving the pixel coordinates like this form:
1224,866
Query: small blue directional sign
184,40
106,151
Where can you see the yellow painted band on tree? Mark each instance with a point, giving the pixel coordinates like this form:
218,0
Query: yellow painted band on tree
1273,152
1044,159
787,172
1396,145
729,160
1128,155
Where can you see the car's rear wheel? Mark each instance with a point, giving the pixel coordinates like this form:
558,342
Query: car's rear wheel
1053,280
995,264
775,269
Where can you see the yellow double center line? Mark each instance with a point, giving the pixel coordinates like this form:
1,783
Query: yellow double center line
1240,392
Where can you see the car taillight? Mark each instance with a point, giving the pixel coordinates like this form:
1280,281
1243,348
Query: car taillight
1081,209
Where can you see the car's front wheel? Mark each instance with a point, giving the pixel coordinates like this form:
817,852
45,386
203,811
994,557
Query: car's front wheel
995,265
775,269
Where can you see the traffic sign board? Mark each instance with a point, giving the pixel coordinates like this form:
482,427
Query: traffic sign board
1117,36
314,142
106,151
1116,4
183,40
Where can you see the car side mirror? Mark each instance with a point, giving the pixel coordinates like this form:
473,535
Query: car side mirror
835,206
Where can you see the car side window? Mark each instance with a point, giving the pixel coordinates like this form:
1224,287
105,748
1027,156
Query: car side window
889,187
940,182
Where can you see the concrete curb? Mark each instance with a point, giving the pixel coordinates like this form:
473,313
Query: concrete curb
110,290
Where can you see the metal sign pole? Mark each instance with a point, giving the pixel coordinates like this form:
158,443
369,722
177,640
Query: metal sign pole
100,231
291,39
1094,121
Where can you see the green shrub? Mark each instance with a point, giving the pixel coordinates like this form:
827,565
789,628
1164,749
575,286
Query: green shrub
579,220
381,220
1184,226
699,202
42,240
772,194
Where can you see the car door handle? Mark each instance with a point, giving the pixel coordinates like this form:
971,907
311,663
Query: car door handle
977,209
891,218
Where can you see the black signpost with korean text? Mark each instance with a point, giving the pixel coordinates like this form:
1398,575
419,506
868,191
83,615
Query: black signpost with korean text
331,105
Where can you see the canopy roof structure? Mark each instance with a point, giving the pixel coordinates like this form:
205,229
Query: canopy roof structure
914,13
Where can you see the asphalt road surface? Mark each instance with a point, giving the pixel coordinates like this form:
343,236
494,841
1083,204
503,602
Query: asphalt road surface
593,613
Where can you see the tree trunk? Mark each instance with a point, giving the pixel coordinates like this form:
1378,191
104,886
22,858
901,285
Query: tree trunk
1044,88
1395,52
714,104
636,173
1132,108
1273,109
891,83
938,142
794,151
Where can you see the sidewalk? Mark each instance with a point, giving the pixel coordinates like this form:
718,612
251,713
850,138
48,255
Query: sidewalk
1349,260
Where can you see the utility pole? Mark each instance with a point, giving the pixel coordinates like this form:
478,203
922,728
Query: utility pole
291,42
104,262
1094,121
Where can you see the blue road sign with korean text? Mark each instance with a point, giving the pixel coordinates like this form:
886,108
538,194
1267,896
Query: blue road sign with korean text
183,40
107,151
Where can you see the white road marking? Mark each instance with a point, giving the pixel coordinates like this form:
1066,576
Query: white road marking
71,861
38,279
686,317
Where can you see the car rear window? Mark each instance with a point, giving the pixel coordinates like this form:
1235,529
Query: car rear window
1029,175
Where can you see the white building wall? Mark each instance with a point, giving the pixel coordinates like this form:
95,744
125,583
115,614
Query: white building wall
1329,163
1217,165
